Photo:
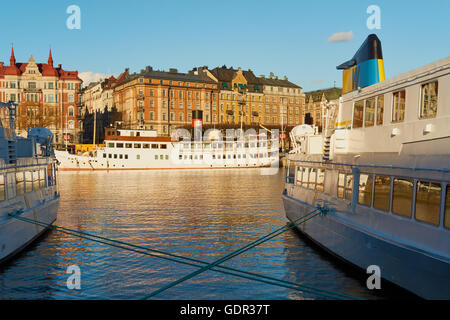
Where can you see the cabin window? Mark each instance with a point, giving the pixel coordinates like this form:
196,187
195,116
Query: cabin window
402,197
156,157
365,189
42,178
290,172
138,156
428,200
305,178
358,114
341,185
104,155
164,146
312,179
398,106
137,145
115,156
120,156
380,110
2,187
35,180
348,187
161,157
298,180
167,157
110,145
146,146
109,155
369,114
128,145
155,146
126,156
382,193
119,145
447,208
320,180
20,183
428,103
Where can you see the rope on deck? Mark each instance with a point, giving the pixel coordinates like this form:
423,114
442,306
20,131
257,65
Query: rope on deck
189,261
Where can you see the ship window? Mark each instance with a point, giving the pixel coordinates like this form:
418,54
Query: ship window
20,183
348,186
161,157
137,145
156,157
382,193
126,156
298,180
447,208
320,180
380,110
428,103
358,114
167,157
164,146
312,179
110,145
35,180
109,155
291,172
42,178
365,189
115,156
119,145
146,146
341,185
402,197
28,181
305,177
120,156
104,155
2,187
128,145
155,146
369,114
428,200
138,156
398,106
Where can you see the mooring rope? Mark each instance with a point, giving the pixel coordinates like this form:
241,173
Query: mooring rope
223,269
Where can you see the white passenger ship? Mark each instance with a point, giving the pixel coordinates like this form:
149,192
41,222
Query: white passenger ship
27,187
142,149
383,174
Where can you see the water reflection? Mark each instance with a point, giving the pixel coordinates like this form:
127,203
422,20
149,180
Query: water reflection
199,214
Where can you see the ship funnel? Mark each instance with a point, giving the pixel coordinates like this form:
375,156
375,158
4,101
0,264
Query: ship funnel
197,124
365,68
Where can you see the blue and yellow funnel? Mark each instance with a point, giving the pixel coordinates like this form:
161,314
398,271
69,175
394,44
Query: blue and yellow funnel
365,68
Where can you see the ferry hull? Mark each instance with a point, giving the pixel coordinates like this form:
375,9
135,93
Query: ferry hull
16,235
398,264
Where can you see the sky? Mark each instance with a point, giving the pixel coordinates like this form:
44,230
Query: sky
287,37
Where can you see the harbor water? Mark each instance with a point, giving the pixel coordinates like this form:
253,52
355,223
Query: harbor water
202,214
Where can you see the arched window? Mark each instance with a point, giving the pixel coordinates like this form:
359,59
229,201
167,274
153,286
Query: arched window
71,111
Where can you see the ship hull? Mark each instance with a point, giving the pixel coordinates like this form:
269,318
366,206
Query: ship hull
16,235
398,263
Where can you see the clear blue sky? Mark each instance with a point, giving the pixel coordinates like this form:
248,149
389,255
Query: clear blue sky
285,37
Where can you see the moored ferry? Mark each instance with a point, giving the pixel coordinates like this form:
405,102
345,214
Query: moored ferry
28,187
143,149
381,171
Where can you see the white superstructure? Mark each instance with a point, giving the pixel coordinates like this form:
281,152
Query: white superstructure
383,173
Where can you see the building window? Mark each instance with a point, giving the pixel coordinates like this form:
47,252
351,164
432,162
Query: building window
382,193
71,124
402,197
428,103
447,208
365,189
70,97
428,200
71,111
358,111
398,106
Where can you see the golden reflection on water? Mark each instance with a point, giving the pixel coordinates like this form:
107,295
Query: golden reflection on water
198,214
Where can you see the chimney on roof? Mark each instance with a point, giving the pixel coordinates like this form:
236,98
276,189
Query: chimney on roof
285,78
262,76
173,70
148,69
271,75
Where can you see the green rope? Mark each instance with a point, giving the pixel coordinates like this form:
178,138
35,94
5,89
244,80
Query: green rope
234,253
230,271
